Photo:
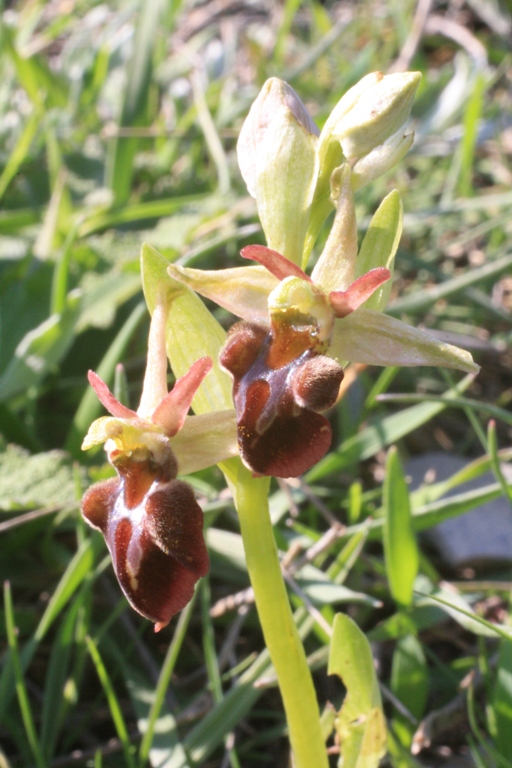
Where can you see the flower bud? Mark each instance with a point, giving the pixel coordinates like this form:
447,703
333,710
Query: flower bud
381,159
371,112
277,159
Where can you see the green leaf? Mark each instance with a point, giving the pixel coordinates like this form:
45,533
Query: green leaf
409,683
360,725
400,548
380,244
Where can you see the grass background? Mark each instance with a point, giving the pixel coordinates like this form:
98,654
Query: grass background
118,125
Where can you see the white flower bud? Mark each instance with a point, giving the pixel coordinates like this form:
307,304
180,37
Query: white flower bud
278,160
371,112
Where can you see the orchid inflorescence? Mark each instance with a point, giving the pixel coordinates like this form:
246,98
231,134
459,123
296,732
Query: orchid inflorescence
287,354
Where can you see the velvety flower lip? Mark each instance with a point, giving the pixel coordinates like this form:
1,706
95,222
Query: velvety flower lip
281,363
151,521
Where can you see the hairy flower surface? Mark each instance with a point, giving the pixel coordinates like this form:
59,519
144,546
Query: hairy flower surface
286,359
151,521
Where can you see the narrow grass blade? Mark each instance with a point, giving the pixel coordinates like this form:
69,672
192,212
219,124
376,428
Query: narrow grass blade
113,703
471,125
136,97
400,547
502,699
80,566
21,690
382,433
20,151
420,300
58,672
158,707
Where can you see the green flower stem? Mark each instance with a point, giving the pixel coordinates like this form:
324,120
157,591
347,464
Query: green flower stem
279,629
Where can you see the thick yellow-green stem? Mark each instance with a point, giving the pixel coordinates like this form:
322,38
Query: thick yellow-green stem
276,619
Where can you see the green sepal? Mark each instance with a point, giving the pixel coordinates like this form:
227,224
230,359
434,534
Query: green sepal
285,185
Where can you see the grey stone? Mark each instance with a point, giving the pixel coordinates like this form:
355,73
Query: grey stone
480,537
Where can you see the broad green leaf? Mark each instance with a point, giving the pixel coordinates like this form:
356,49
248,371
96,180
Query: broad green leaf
321,590
380,244
502,700
360,725
409,683
192,331
400,547
100,302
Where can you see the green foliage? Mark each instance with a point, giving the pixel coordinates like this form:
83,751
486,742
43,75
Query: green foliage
360,724
400,548
118,127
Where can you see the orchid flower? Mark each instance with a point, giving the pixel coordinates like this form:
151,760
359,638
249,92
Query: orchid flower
151,521
287,358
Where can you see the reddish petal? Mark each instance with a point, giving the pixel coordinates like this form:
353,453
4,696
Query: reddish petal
345,302
108,400
275,262
172,411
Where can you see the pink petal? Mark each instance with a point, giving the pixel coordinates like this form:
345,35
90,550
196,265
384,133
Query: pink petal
108,400
172,411
345,302
275,262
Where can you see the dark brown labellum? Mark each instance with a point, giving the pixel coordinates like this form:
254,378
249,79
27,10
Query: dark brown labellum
153,527
280,381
